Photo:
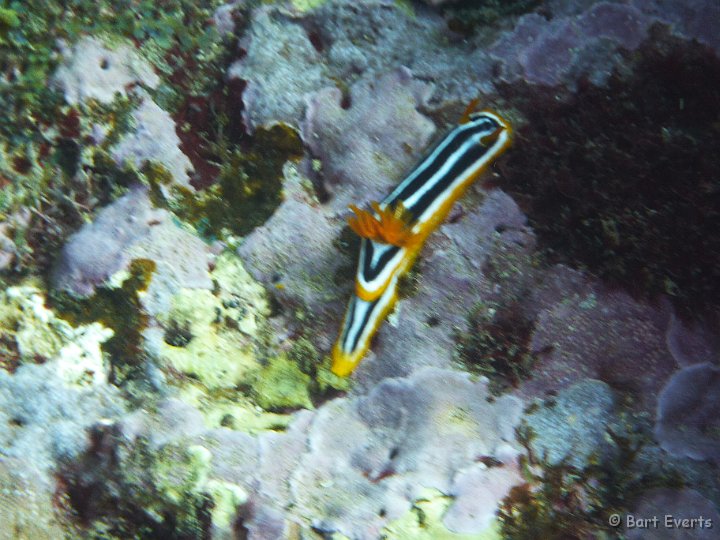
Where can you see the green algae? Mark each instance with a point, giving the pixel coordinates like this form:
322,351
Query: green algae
59,182
215,349
30,30
119,309
248,187
226,498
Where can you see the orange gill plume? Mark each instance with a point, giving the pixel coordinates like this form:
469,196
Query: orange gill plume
391,227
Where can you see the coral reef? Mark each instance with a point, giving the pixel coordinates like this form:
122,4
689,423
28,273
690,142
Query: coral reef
174,180
601,334
99,250
31,333
99,254
44,419
26,504
153,139
279,55
395,438
353,467
209,336
363,164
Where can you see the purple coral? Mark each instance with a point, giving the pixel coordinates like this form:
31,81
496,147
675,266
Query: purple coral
128,229
366,145
154,139
293,252
281,67
688,423
588,43
691,342
602,334
368,457
354,465
99,249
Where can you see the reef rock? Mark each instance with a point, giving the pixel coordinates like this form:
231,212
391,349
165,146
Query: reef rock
675,504
368,456
353,466
281,66
573,428
30,333
597,333
43,420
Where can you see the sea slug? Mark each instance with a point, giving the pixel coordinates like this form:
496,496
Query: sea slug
394,231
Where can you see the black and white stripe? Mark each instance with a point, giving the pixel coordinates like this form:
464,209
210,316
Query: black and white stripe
426,190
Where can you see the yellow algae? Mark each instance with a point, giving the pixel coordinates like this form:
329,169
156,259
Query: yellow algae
424,522
232,410
31,332
212,336
226,498
281,385
237,289
217,356
180,471
306,5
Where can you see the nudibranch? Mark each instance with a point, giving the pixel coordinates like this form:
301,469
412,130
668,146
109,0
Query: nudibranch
393,233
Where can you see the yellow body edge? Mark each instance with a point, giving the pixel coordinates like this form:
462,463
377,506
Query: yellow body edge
344,364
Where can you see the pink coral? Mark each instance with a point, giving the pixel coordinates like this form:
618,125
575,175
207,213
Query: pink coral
602,334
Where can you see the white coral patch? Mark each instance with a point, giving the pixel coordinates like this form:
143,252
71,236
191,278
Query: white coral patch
154,139
92,70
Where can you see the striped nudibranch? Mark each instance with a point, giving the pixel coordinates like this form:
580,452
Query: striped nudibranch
393,234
